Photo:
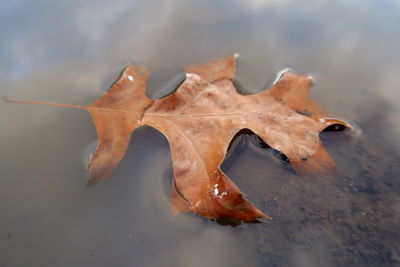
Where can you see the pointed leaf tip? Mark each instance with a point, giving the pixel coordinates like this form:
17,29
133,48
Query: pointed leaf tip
222,68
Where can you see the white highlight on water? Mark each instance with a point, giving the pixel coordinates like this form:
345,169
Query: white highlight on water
280,74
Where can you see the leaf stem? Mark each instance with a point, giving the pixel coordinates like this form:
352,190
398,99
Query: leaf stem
40,103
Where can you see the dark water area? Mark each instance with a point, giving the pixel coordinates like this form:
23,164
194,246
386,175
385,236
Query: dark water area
70,52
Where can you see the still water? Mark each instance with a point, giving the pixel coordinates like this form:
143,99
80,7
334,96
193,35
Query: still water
69,52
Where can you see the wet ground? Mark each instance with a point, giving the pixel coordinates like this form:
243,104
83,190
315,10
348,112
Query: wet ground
69,52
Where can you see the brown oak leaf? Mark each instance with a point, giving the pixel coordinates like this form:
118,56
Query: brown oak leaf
200,120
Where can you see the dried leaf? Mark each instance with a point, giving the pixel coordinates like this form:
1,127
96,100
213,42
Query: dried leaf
199,120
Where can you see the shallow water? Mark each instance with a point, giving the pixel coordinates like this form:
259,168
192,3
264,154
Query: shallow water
69,52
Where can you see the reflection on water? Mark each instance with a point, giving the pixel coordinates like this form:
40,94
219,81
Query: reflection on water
62,51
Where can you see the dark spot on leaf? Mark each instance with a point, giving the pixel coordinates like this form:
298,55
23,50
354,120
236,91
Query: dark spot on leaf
180,172
305,112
